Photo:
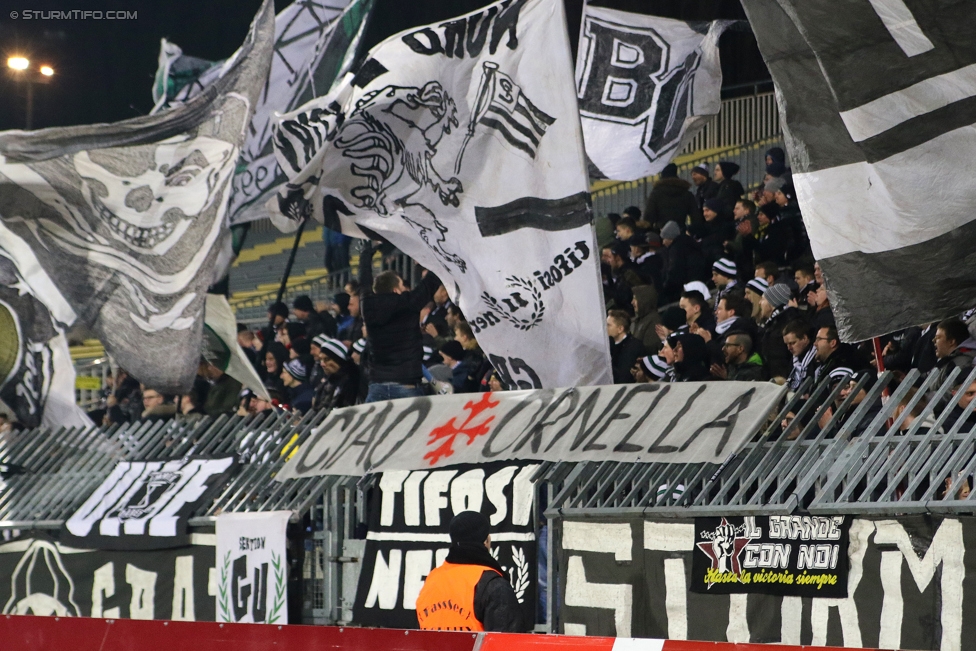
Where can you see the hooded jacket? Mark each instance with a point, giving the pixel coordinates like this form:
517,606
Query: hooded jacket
647,316
393,326
694,366
670,200
750,370
684,262
778,359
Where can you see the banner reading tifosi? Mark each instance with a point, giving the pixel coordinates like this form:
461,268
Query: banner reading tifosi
676,423
408,535
795,555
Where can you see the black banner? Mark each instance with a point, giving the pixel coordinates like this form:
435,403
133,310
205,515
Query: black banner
794,555
408,535
911,584
39,576
146,504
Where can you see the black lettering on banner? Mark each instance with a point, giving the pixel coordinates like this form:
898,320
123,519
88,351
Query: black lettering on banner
616,414
483,321
306,449
260,602
655,446
728,424
486,450
585,430
465,34
373,428
561,267
622,62
347,441
623,445
533,434
418,406
519,366
239,593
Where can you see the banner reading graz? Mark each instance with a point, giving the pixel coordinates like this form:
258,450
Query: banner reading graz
39,576
676,423
798,555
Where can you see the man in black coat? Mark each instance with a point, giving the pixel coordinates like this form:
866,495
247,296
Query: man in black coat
776,313
316,323
729,189
684,262
392,316
625,350
670,200
705,187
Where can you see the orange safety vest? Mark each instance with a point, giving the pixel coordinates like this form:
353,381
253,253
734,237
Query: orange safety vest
446,602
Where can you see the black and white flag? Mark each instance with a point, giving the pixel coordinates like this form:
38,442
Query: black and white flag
646,86
146,504
315,44
878,111
460,143
119,226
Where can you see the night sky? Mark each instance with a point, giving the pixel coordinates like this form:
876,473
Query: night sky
104,69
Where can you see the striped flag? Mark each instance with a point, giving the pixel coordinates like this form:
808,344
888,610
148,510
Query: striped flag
512,113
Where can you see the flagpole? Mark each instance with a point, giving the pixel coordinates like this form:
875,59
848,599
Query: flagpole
291,261
489,67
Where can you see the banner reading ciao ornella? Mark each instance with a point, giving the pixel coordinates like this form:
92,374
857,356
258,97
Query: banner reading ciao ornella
674,423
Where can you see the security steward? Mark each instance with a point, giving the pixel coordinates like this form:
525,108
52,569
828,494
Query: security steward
469,590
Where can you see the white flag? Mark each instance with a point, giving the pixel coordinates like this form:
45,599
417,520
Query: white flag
460,143
315,44
252,568
646,86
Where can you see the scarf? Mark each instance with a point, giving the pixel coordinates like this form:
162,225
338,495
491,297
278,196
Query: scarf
801,367
465,553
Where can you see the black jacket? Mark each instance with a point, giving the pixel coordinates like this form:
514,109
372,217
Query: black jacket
339,389
495,604
320,323
684,262
776,242
713,235
705,191
393,326
730,191
776,356
623,356
670,200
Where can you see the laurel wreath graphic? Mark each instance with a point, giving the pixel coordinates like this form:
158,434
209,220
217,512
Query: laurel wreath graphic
279,598
223,593
518,576
538,307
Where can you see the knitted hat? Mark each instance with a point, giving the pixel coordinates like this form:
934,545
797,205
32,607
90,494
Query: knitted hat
359,346
335,350
725,267
303,303
469,527
671,231
778,295
729,169
296,369
702,168
698,286
774,185
654,366
670,171
777,154
319,340
715,205
453,349
758,285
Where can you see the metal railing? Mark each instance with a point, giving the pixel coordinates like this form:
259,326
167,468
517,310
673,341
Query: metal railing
740,120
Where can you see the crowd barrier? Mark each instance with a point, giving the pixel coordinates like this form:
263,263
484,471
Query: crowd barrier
28,633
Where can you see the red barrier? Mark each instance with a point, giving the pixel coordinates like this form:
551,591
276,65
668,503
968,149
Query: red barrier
30,633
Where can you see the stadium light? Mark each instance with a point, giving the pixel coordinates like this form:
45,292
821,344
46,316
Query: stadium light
19,63
47,71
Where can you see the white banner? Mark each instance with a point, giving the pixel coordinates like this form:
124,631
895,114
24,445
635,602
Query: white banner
460,143
252,571
691,422
646,86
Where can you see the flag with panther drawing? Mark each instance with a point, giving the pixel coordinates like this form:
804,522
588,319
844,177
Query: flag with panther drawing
460,143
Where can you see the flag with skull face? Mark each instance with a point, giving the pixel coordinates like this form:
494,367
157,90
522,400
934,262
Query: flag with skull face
118,226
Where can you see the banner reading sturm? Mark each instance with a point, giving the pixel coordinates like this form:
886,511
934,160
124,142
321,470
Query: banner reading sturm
674,423
791,555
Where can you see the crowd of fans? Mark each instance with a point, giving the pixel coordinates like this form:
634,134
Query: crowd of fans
706,283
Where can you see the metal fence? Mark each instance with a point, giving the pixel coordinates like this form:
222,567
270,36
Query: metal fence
740,120
875,448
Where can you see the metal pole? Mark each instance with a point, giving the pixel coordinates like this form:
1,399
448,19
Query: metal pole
30,105
291,261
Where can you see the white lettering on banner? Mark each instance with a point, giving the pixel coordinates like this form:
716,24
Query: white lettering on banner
143,584
947,549
494,486
253,585
805,527
434,496
103,585
738,628
618,597
613,538
385,586
183,604
676,598
416,568
686,422
391,483
411,498
467,491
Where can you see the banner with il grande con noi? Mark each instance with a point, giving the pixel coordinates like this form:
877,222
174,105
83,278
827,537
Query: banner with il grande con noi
408,535
690,422
802,556
252,583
